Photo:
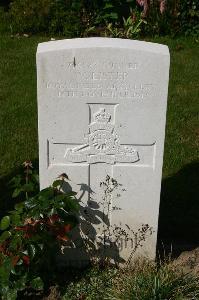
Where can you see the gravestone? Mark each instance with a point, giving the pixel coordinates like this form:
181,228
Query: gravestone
102,111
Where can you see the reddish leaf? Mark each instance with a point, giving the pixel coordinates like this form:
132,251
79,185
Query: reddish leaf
52,219
27,235
67,228
19,228
26,260
62,238
15,260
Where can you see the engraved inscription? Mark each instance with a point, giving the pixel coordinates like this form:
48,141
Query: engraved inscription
103,90
100,79
100,76
105,64
103,144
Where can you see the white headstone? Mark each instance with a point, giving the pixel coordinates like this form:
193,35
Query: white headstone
102,111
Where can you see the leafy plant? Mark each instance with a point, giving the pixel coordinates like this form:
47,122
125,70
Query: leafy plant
108,13
188,17
53,17
132,25
74,18
130,28
113,31
26,184
171,17
29,16
32,234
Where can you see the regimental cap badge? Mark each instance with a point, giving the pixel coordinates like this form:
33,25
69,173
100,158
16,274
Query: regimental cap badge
102,116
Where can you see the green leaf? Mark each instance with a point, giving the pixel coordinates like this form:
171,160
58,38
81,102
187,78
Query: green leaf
19,206
10,295
67,218
20,284
28,187
20,262
47,193
57,183
59,198
5,235
15,219
16,192
31,203
16,241
108,5
37,283
40,246
31,250
71,193
71,205
52,211
5,222
25,252
113,16
14,272
4,289
5,270
18,271
36,177
15,181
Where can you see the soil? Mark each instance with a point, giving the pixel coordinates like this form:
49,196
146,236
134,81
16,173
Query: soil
53,294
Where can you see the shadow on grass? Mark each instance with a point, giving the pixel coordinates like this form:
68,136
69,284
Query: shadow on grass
179,211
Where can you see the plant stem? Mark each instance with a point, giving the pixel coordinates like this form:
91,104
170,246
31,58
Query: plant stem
27,173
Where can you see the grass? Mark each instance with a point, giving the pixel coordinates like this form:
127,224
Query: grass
18,114
146,281
182,116
142,280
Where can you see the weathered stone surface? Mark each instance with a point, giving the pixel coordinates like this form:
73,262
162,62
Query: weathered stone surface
102,111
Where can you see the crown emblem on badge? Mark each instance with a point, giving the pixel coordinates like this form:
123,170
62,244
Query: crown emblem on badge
102,116
103,144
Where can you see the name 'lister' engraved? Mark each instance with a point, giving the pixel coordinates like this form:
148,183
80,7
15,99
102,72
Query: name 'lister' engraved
103,144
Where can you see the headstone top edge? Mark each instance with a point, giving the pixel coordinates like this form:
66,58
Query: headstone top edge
100,42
